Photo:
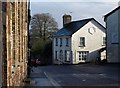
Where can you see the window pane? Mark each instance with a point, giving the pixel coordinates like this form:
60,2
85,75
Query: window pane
104,40
82,41
67,55
56,42
61,54
60,41
55,54
67,41
83,55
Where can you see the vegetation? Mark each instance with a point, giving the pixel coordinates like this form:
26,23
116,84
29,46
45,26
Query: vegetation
42,27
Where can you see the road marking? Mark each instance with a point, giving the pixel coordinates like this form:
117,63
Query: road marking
84,80
54,83
102,74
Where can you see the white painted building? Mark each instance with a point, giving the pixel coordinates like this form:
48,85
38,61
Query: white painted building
112,20
78,41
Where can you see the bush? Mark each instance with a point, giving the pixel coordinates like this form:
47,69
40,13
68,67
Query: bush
42,49
38,47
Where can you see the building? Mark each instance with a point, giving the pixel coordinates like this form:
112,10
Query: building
1,45
112,20
14,20
78,41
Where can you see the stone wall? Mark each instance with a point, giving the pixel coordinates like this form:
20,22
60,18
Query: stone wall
1,44
15,43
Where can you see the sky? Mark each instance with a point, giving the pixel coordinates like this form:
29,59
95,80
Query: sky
79,9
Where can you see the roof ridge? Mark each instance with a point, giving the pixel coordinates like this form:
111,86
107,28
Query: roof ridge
74,26
82,20
110,12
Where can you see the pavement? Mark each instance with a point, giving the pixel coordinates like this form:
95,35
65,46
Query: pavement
38,78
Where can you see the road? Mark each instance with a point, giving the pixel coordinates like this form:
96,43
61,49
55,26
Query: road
82,75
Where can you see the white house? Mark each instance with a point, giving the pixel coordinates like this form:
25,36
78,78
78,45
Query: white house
78,41
112,20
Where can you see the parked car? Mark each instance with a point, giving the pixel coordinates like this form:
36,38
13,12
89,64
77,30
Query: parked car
40,62
33,62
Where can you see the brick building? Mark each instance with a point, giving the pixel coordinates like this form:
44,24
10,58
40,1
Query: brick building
14,20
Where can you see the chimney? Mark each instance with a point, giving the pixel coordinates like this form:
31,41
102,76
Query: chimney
66,19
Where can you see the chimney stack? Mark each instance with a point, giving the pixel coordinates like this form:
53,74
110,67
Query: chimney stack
66,19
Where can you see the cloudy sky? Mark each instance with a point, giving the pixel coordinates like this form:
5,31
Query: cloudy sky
79,9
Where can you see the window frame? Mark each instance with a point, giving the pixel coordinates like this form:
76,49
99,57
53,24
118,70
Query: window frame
104,41
67,42
67,55
82,55
56,55
61,54
56,41
60,42
82,43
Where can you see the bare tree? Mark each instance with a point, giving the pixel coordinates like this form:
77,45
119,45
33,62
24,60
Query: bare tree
43,25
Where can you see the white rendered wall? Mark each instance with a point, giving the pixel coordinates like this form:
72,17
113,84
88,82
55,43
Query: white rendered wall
58,48
93,42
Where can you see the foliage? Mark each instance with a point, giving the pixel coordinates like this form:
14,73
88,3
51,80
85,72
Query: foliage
38,47
43,25
42,50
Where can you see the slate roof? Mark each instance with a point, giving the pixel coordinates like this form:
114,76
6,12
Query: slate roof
111,12
72,27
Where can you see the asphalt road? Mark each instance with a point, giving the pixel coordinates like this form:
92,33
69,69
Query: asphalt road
82,75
